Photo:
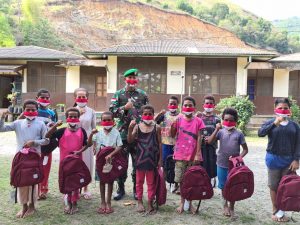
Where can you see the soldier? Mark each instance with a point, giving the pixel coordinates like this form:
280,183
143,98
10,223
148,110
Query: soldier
126,106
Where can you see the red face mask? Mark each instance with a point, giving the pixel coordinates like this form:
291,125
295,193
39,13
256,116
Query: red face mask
82,100
229,123
107,123
41,100
73,120
208,106
172,106
283,111
35,113
147,117
188,109
132,81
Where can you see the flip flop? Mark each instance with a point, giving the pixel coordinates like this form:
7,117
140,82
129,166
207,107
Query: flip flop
101,211
109,210
87,195
279,216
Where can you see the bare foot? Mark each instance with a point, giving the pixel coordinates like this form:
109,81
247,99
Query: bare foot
21,213
192,209
180,208
74,209
140,207
283,219
232,214
226,211
30,211
67,209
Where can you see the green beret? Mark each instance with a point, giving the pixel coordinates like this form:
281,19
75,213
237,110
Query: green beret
131,72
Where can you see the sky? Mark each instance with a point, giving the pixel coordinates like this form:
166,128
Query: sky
271,9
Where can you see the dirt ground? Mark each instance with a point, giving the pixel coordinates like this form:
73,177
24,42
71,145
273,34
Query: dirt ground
256,210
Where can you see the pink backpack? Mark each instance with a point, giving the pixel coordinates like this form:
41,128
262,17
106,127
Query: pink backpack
26,169
73,174
240,181
119,165
196,185
288,193
161,190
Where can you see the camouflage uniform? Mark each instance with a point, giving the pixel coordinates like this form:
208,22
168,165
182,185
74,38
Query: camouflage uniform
138,98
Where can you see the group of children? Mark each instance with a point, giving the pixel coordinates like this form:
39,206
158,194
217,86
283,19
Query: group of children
189,136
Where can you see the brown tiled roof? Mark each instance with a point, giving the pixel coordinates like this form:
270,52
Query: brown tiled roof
179,47
287,58
35,53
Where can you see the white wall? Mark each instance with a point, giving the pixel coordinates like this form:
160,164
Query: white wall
174,82
24,83
72,78
112,74
241,76
281,83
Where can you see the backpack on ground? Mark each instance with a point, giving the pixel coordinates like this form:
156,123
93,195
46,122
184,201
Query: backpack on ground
196,185
73,174
26,169
119,165
240,181
161,190
169,169
288,193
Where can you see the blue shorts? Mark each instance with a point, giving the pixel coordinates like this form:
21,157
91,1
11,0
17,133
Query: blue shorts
222,174
166,151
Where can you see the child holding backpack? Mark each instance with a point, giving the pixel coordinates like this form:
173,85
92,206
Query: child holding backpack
108,136
187,151
149,155
72,140
165,120
30,133
283,150
230,140
209,150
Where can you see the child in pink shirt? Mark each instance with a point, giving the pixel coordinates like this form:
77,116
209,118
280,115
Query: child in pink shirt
187,151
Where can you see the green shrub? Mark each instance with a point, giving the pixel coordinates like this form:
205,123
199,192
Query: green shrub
243,105
295,110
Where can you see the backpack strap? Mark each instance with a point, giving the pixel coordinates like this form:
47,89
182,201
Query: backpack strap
16,195
32,192
197,210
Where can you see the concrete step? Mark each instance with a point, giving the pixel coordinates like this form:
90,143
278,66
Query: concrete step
260,119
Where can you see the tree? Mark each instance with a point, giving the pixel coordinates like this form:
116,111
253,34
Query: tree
220,11
185,6
6,36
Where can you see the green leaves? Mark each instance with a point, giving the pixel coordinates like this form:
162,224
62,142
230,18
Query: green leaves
243,105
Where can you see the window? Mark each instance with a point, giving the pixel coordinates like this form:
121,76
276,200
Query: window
210,76
262,81
46,75
153,70
294,84
94,80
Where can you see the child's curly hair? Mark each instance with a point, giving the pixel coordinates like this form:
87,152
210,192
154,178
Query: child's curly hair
230,111
72,109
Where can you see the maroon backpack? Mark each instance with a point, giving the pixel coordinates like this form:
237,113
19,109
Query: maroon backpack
196,185
288,193
26,169
73,174
240,181
161,190
119,165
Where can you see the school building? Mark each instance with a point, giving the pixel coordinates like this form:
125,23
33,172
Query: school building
167,67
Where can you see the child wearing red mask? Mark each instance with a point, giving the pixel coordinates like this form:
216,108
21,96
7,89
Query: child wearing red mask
209,150
187,151
148,157
72,140
230,140
165,119
107,136
88,123
283,150
30,133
